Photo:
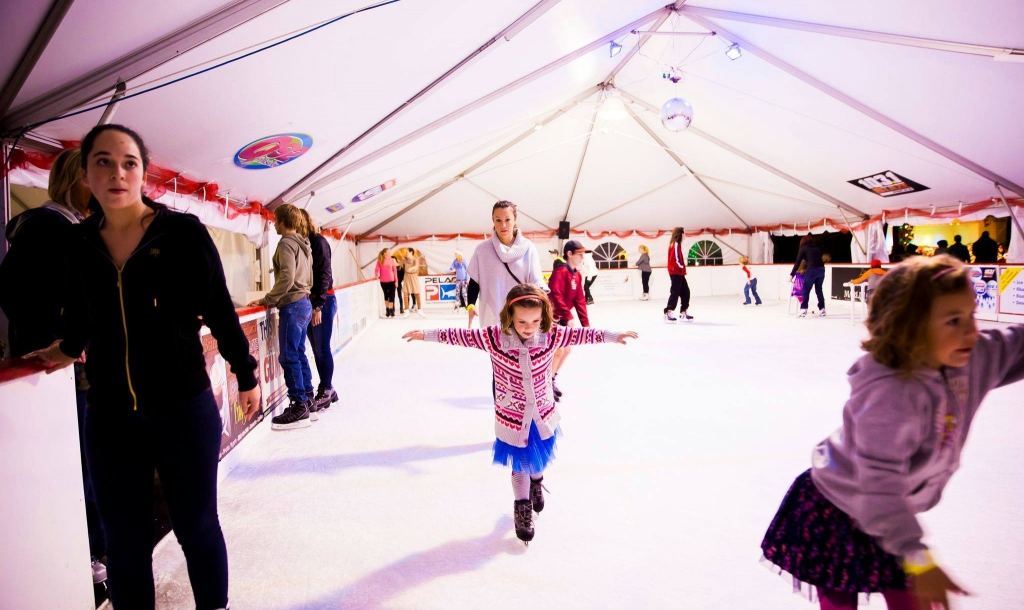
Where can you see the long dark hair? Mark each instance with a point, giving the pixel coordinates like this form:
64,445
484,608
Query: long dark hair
89,142
807,239
677,235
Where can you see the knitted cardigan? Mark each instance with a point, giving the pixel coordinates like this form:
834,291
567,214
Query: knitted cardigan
487,268
516,402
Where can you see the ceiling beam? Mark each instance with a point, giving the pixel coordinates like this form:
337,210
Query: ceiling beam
852,103
519,208
631,53
998,53
505,35
633,200
682,164
522,136
35,49
754,160
464,110
583,157
135,63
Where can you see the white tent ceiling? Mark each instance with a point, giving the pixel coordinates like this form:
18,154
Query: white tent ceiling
790,148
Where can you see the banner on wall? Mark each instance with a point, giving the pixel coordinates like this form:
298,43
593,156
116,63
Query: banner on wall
234,424
1011,290
271,375
438,289
985,281
612,286
844,275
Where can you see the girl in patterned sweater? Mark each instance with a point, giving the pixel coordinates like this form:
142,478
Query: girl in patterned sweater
522,348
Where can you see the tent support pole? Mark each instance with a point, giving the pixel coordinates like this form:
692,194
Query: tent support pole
853,233
754,160
532,130
108,112
32,54
633,200
137,62
583,158
998,53
519,208
505,35
852,103
293,194
1013,217
682,164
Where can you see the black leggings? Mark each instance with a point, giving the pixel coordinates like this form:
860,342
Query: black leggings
645,278
389,291
680,292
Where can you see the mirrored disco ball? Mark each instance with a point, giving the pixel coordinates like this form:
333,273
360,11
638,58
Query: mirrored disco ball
676,114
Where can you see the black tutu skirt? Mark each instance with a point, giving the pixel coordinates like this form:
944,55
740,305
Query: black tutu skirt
819,545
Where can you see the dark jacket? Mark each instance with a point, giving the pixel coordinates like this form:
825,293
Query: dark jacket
323,279
985,249
810,253
566,286
144,320
33,279
960,251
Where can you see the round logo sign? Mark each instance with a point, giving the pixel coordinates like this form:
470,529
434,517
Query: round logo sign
273,151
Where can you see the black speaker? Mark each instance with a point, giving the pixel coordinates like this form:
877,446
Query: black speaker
563,229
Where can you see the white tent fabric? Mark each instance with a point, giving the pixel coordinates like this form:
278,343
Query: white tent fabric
517,109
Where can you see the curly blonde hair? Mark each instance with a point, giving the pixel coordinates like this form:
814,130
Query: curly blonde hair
901,306
537,299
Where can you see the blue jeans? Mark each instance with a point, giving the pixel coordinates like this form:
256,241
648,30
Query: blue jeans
293,319
183,445
751,286
320,339
814,277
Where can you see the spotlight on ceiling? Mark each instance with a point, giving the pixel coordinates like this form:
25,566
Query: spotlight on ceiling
614,48
733,52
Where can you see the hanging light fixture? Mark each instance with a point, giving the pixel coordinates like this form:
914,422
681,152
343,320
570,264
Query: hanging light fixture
612,108
733,52
614,48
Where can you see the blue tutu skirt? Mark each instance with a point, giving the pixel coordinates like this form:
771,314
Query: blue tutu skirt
531,459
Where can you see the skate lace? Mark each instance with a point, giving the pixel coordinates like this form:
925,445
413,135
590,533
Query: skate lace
535,491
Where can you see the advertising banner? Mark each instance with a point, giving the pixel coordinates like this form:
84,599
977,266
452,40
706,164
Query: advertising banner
1011,290
271,375
985,281
235,425
612,285
888,184
843,275
438,289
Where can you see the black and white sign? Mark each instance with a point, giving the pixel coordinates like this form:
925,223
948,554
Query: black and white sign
888,184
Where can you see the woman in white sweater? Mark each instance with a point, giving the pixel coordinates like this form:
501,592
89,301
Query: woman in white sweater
499,264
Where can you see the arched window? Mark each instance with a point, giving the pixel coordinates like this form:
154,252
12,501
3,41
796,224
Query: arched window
610,255
704,252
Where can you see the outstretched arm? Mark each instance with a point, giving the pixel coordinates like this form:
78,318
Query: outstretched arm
575,335
461,337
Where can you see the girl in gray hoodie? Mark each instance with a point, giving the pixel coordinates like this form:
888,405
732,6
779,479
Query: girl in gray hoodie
848,525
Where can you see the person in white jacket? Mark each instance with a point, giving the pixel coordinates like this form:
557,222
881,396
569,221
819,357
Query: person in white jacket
499,264
589,275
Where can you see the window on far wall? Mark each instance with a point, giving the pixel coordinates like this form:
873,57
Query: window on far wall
704,252
610,255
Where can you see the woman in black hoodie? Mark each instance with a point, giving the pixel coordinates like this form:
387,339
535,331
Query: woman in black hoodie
144,277
815,276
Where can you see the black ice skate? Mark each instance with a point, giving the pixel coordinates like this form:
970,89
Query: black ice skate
522,511
325,397
296,415
537,490
555,390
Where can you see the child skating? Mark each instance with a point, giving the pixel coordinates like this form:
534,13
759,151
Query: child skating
849,524
526,420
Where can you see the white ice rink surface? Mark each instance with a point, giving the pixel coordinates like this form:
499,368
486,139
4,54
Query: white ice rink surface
677,451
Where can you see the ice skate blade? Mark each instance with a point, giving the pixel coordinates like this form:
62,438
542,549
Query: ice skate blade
314,416
302,423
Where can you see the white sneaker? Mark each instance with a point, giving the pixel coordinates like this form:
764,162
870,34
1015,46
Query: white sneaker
803,313
420,313
822,314
405,314
669,318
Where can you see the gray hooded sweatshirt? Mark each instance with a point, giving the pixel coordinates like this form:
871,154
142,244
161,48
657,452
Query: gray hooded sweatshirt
902,436
293,271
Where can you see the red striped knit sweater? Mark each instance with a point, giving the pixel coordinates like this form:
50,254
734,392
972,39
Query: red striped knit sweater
515,400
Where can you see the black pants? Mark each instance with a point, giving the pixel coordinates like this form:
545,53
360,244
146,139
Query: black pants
814,278
389,291
183,444
680,291
92,516
398,288
586,287
645,278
